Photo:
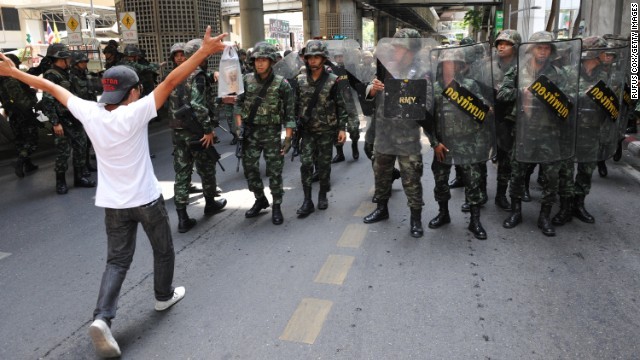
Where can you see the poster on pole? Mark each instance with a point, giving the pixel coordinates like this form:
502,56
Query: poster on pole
128,27
499,21
74,30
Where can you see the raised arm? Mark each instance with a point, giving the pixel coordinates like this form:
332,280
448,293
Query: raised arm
210,45
8,68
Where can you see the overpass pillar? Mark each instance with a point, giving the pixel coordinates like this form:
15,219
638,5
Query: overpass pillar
385,26
311,18
226,26
251,22
358,23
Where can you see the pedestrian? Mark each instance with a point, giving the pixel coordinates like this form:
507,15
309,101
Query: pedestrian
265,107
323,118
188,105
128,188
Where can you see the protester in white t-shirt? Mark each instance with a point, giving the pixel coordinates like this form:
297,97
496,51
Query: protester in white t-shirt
127,186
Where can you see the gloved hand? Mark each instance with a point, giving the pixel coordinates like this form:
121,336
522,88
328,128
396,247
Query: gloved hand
368,150
286,145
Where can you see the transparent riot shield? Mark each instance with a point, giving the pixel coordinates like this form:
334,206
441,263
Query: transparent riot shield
289,66
404,68
463,94
547,98
599,106
339,50
627,103
501,62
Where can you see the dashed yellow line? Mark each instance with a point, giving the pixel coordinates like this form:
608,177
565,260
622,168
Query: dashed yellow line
353,236
335,270
306,322
4,255
365,209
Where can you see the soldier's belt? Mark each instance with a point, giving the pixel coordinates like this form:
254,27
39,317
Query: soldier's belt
551,96
605,98
466,101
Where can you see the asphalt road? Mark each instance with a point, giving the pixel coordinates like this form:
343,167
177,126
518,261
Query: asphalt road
327,286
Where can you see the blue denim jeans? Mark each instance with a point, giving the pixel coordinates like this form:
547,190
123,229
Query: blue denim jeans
122,226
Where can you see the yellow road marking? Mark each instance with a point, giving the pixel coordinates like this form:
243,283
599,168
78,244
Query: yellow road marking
335,269
353,236
365,209
4,255
306,322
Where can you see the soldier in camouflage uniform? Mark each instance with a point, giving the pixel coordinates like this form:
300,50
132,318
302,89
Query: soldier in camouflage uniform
540,64
353,125
69,132
188,100
112,56
262,132
82,87
18,100
398,139
450,65
506,45
147,72
572,194
320,125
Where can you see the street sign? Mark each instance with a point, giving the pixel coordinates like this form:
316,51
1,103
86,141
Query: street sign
499,21
128,27
278,28
74,30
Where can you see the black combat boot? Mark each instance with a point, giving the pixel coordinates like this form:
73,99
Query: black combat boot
339,155
379,214
580,212
307,205
79,180
474,224
20,167
323,203
354,149
396,174
61,183
184,222
465,207
501,198
602,169
416,223
544,223
565,214
457,181
442,217
29,166
212,205
276,214
515,217
195,190
261,203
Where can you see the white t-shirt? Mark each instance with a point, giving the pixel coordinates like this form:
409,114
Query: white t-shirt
120,140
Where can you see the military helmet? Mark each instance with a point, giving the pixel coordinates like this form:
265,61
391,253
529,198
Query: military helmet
191,47
242,52
543,37
131,50
407,38
110,49
58,51
510,36
451,55
591,44
175,48
467,41
316,47
264,50
78,57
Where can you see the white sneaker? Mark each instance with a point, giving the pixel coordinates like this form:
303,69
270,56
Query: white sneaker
104,343
178,294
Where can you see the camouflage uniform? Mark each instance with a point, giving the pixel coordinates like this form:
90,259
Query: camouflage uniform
74,137
19,100
82,85
353,123
147,72
192,96
327,118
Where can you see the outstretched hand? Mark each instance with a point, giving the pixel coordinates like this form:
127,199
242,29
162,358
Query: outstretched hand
6,65
212,45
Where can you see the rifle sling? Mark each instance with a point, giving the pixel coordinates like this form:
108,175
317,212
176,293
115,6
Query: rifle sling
261,95
316,93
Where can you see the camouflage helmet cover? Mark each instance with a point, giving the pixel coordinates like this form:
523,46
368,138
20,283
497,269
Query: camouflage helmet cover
110,49
404,38
264,50
467,41
316,47
179,46
543,37
58,51
510,36
78,57
592,43
191,47
131,50
451,55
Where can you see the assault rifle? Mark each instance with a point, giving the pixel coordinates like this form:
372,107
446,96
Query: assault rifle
185,114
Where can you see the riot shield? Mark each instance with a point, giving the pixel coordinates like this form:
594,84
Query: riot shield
547,98
289,66
501,62
404,67
599,106
627,103
337,50
463,94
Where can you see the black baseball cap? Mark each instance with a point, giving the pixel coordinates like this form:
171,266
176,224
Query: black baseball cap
116,83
